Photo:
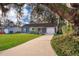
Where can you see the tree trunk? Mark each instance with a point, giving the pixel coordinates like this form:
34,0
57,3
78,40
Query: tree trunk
59,25
70,15
76,24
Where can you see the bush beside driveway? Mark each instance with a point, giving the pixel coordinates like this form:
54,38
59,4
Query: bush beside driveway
66,45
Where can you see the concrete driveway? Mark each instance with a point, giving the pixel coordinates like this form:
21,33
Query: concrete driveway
37,47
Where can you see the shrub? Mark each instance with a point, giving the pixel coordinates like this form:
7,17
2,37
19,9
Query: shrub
66,45
18,32
33,32
67,28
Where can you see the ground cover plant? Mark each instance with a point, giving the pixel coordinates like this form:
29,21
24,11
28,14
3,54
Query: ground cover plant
66,45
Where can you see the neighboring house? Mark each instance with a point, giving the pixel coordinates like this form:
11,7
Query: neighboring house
1,29
44,28
12,28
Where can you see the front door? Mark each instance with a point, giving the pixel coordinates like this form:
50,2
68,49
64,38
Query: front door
27,29
43,30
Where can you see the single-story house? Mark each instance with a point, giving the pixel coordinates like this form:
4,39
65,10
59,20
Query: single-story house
43,28
12,28
2,30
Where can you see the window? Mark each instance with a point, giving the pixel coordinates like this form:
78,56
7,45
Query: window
32,28
39,29
44,30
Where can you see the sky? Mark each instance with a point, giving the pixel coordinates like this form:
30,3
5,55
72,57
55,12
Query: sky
26,16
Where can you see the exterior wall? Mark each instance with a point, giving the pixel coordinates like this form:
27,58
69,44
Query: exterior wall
13,29
17,29
33,29
50,30
6,30
25,29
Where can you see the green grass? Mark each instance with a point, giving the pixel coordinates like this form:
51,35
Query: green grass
10,40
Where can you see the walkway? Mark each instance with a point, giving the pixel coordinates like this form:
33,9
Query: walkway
36,47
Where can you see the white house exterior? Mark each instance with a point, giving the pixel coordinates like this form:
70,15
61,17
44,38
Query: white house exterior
43,30
50,30
13,29
40,28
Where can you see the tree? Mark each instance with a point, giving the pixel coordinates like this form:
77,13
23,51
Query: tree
18,7
69,14
42,14
4,9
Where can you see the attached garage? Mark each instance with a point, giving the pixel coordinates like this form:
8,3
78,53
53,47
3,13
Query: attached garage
50,30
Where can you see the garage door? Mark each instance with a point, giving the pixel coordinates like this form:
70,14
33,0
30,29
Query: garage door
6,30
50,30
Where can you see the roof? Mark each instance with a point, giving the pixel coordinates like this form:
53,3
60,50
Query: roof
40,25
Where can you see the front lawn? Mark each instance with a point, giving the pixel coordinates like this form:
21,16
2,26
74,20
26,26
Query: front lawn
10,40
